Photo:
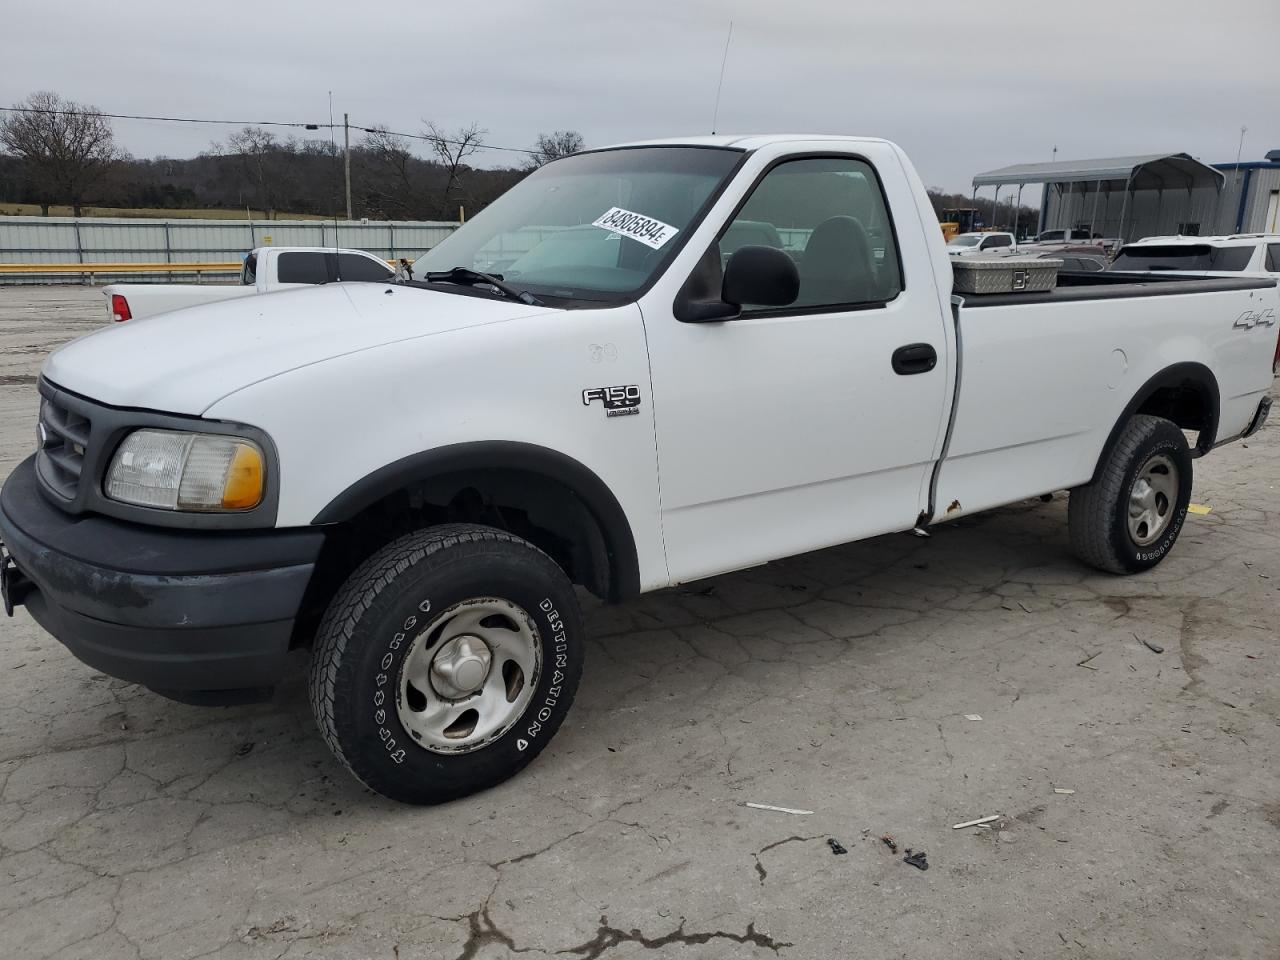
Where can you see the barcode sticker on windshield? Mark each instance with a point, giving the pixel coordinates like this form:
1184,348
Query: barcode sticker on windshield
650,232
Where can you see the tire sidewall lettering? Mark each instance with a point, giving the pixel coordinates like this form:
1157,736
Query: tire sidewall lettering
1153,554
539,716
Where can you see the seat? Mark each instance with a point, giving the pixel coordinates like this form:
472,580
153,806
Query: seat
838,266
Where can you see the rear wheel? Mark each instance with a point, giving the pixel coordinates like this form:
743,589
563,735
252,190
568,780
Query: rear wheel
446,662
1130,517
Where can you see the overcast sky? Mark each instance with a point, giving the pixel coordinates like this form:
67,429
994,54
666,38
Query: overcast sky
963,85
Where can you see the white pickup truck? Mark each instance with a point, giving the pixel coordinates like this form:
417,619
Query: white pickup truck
409,478
264,269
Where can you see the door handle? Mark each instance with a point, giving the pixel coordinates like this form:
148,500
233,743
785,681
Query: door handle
914,358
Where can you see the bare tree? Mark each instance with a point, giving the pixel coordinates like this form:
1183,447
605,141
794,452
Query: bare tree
553,146
392,184
451,150
67,148
265,161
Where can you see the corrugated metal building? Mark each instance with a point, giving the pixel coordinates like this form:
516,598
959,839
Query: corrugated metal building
1125,197
1251,197
124,240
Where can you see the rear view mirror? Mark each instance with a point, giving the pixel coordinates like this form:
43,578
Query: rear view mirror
760,276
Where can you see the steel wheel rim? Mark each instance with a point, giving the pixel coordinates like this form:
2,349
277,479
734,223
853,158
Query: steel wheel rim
469,675
1153,499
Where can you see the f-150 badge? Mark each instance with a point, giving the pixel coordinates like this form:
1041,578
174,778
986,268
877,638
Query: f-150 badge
618,401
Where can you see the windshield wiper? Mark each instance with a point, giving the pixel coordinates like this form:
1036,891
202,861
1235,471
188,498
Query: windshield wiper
465,276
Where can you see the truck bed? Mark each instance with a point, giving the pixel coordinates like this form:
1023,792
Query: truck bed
1116,286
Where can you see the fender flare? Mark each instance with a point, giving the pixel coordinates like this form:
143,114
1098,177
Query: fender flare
1176,375
582,482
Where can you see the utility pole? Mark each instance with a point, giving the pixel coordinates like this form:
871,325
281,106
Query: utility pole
346,162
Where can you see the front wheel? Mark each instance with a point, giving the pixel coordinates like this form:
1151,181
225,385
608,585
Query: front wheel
446,662
1130,517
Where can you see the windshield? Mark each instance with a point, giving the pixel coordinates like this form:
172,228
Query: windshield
964,241
1183,256
591,227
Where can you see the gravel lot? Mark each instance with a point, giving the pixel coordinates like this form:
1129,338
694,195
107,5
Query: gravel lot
836,682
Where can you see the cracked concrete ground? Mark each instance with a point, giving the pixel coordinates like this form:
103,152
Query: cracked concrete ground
836,682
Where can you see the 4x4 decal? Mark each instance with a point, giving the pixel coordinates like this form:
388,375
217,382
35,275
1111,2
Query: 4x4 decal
1251,318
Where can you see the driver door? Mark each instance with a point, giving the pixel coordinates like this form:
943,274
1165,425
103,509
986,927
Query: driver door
790,429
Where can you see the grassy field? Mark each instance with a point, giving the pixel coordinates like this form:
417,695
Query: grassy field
57,210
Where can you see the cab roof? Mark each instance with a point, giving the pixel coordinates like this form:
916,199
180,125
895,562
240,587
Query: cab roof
746,142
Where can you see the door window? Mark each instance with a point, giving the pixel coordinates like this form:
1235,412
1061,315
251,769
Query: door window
352,266
829,215
1273,258
303,268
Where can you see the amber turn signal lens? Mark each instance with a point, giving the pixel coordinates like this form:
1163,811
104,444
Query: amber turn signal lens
243,487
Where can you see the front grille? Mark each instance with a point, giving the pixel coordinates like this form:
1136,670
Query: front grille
64,439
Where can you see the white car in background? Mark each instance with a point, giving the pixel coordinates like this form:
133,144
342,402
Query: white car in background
981,244
1250,254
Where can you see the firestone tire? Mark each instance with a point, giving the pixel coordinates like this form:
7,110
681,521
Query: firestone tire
1129,518
385,636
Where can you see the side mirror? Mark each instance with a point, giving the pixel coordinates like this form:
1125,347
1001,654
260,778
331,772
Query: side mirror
761,276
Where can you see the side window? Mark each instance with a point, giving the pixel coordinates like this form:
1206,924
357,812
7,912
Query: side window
352,266
248,270
997,240
304,268
829,215
1273,258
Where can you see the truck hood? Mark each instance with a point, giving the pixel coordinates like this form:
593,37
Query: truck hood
187,360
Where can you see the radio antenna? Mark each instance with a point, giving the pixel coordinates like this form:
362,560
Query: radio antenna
333,164
715,116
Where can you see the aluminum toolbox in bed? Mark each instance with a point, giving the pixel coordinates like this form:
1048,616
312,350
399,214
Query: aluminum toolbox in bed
1004,274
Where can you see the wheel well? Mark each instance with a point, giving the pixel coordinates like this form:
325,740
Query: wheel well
1186,394
542,509
1187,404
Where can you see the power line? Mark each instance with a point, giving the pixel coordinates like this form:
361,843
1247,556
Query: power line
134,116
262,123
455,143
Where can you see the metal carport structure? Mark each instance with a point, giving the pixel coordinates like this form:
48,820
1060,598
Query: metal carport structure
1081,193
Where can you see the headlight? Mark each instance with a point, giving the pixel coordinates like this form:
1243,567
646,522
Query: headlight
170,470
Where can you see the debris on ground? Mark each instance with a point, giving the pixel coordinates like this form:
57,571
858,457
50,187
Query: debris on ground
916,859
1085,662
1066,792
1153,647
972,716
974,823
1199,508
836,846
889,842
769,806
244,749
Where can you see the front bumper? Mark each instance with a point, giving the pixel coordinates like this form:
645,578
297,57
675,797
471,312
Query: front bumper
182,612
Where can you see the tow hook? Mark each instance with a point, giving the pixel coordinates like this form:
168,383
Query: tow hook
13,585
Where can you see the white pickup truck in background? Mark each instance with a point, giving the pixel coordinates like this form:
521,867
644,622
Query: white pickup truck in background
413,496
982,244
265,269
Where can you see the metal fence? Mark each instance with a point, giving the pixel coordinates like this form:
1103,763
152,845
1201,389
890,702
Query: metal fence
71,240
